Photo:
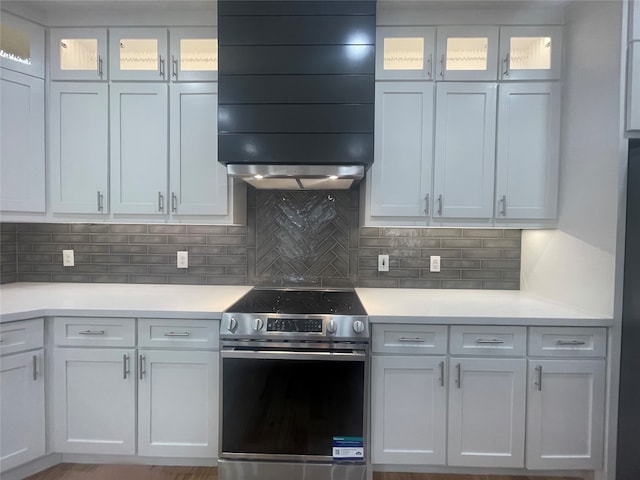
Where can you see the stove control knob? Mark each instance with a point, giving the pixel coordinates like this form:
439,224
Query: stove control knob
332,326
232,324
358,326
257,324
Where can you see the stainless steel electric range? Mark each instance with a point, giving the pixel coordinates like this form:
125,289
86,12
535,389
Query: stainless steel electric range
294,370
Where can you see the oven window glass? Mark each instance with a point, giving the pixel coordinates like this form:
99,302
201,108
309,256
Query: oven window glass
290,407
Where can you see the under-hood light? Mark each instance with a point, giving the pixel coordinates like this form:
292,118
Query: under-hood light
333,177
258,177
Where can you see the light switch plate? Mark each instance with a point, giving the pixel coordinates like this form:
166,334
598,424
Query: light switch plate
434,263
183,259
67,258
383,263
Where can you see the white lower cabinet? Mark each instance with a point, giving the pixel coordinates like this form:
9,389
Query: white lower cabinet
178,403
409,398
94,395
487,412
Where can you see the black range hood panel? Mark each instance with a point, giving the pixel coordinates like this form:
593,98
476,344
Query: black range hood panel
296,82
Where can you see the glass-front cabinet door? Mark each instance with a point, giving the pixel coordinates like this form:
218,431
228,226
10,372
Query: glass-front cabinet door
467,53
194,54
78,53
530,53
21,45
138,54
405,53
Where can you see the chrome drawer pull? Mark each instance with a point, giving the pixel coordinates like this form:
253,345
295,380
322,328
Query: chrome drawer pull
493,341
414,339
91,332
177,334
538,383
570,342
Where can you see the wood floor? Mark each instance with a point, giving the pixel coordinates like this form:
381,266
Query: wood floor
74,471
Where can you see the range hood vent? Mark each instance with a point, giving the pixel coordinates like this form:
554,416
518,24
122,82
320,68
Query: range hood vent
296,89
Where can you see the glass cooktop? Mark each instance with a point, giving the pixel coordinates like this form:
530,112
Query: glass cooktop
292,301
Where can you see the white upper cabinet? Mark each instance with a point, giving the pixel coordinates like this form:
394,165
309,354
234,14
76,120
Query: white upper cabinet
634,20
138,54
467,53
405,53
401,172
633,86
198,182
21,45
464,165
78,54
79,147
194,54
528,150
22,155
530,53
139,156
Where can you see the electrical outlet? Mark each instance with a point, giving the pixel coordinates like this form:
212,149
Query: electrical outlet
183,259
434,263
383,263
67,258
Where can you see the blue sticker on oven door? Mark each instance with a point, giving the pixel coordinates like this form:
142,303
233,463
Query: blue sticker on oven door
348,448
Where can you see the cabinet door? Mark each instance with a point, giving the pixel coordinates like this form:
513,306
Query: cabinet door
487,412
22,46
408,428
633,86
22,427
634,20
467,53
194,54
178,403
139,162
464,164
78,53
79,147
530,53
401,171
405,53
138,54
199,184
528,150
22,160
565,414
94,401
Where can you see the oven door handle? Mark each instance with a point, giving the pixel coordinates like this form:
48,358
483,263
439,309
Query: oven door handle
351,356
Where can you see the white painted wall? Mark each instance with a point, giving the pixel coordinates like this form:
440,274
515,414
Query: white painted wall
575,264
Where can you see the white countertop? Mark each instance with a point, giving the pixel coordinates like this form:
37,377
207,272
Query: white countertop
384,305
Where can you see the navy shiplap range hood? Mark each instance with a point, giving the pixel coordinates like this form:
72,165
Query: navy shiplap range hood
296,91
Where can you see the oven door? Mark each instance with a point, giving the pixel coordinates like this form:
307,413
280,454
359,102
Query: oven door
289,404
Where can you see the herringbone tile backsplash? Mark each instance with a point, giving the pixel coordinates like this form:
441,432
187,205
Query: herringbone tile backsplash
291,239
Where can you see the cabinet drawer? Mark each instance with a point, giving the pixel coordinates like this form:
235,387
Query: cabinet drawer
99,332
159,333
488,340
21,336
410,339
567,342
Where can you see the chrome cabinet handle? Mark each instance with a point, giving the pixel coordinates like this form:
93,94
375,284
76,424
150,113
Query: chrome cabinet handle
441,365
503,203
100,196
125,366
440,204
142,365
174,67
161,63
160,202
174,202
100,66
426,204
177,334
459,375
493,341
430,63
442,66
538,382
411,339
91,332
35,367
507,65
570,342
